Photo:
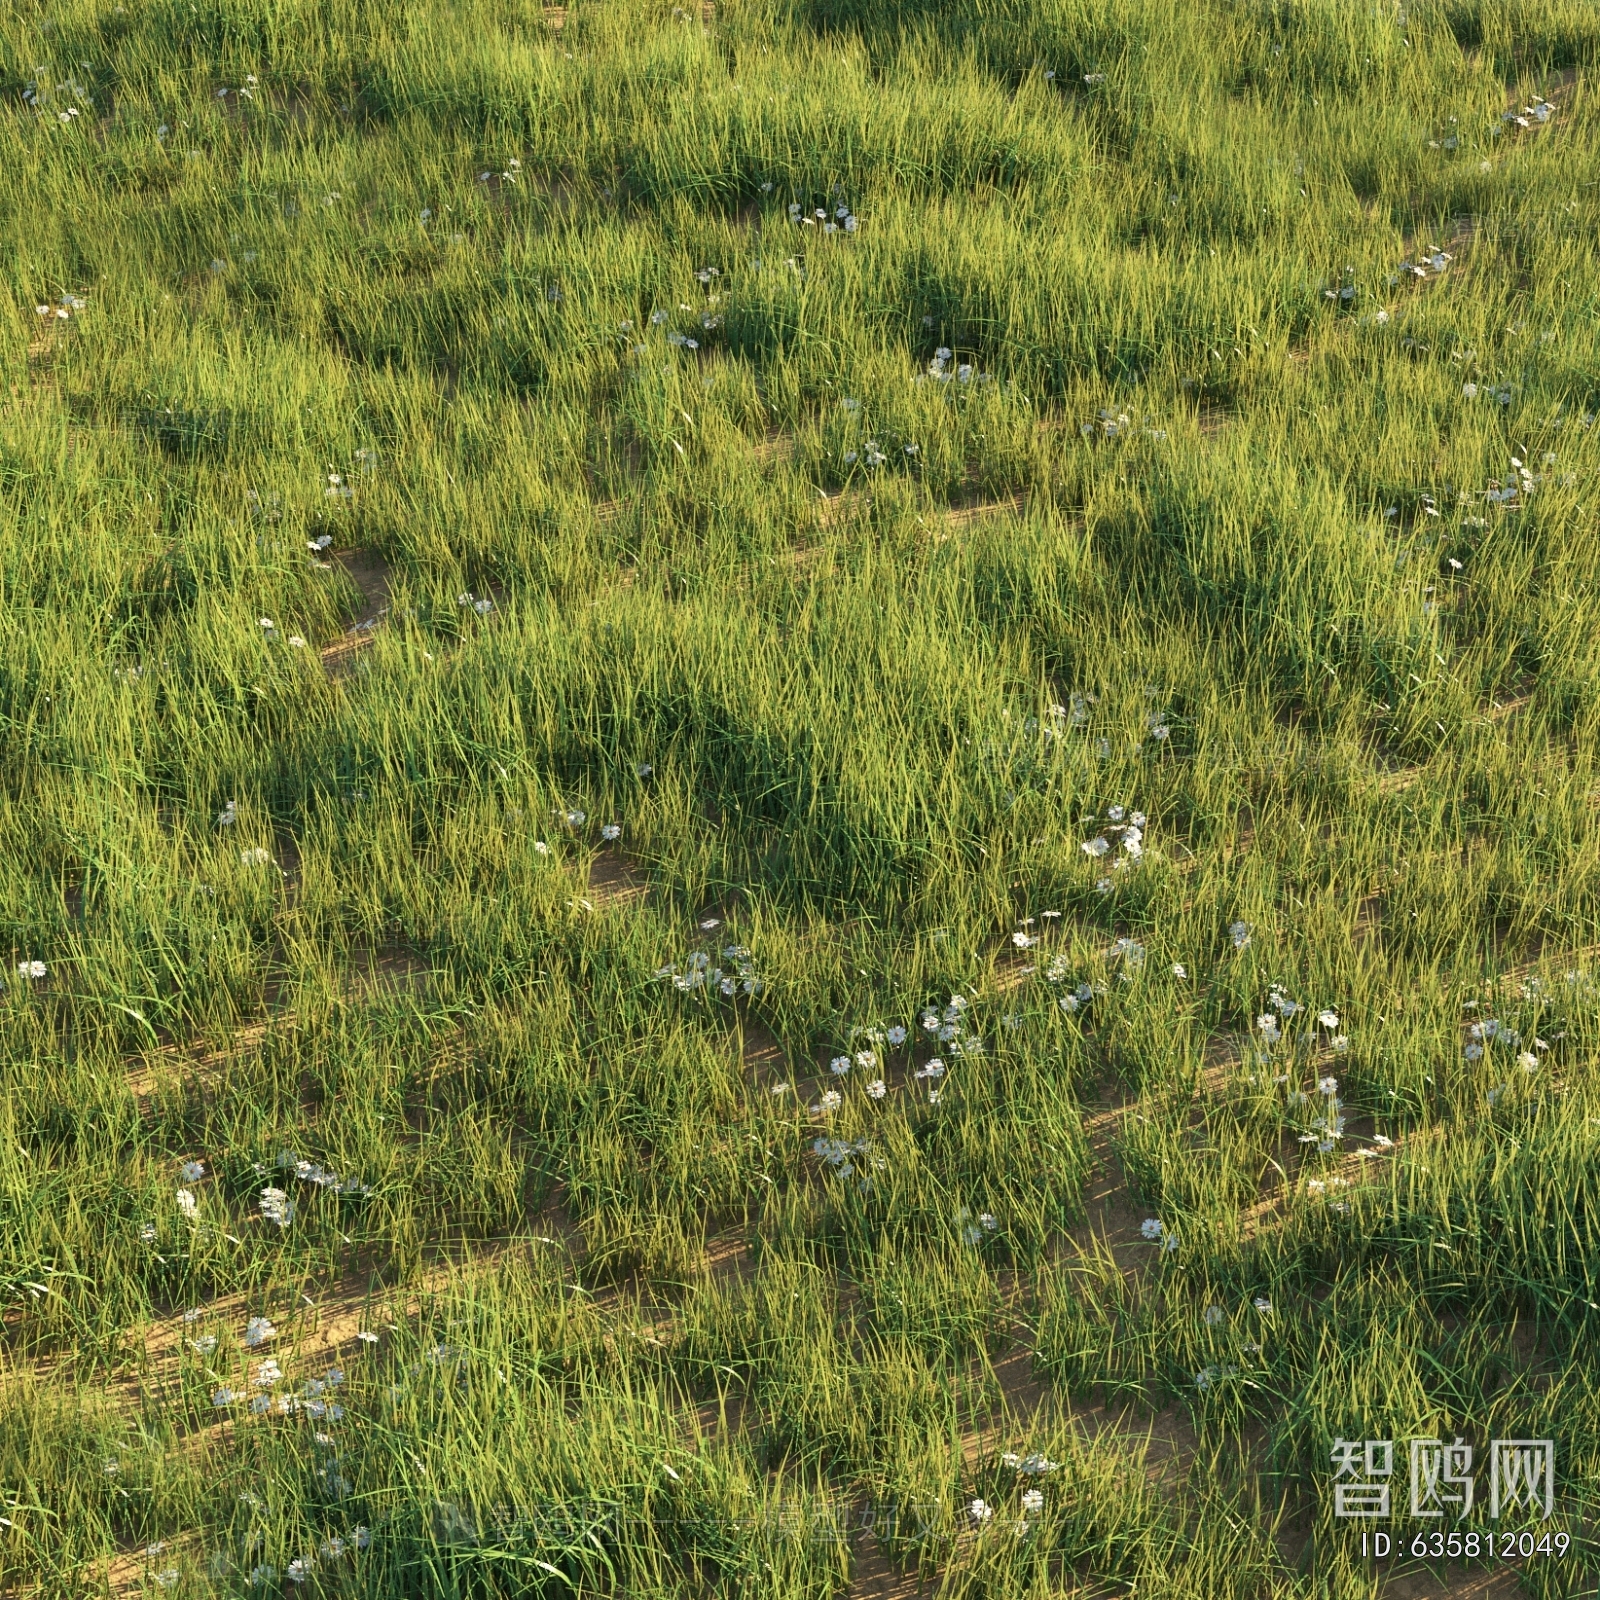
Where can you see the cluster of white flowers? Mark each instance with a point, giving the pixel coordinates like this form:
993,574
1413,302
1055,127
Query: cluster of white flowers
949,1027
944,368
1121,832
60,313
1533,115
973,1228
843,219
1110,423
319,1176
846,1157
696,972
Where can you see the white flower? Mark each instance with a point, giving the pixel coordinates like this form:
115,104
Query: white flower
980,1511
1339,1044
1024,941
277,1207
1240,933
1528,1061
877,1089
205,1345
1327,1086
1032,1500
300,1569
1328,1019
255,857
831,1100
165,1580
839,1066
366,1337
1151,1229
268,1373
575,819
866,1060
30,969
148,1233
257,1331
611,832
1262,1304
1095,847
896,1036
224,1397
1212,1316
988,1221
192,1171
187,1203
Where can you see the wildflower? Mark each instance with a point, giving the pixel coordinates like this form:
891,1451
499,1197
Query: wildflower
147,1232
1268,1024
205,1345
165,1580
187,1203
300,1569
933,1068
262,1576
1240,933
831,1100
988,1221
268,1373
866,1060
224,1397
228,815
877,1089
1212,1316
1339,1044
896,1036
1179,970
1024,941
30,969
257,1331
255,857
1328,1019
980,1511
1328,1086
277,1207
611,832
1095,847
1032,1500
192,1171
575,819
1151,1229
366,1337
839,1066
1262,1304
1528,1061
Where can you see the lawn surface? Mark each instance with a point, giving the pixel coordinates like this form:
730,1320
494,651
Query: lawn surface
799,799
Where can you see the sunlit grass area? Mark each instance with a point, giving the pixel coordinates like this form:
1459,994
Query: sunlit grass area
799,798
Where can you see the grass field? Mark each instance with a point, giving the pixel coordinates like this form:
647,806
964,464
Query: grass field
798,800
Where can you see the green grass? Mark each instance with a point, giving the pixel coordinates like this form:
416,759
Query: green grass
858,657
